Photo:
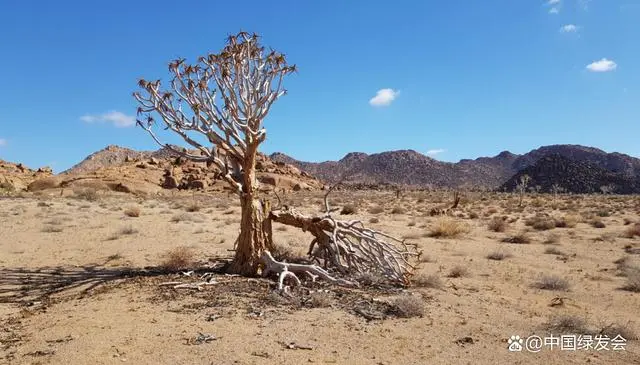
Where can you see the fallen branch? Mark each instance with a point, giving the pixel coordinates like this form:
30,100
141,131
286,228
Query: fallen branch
351,248
285,269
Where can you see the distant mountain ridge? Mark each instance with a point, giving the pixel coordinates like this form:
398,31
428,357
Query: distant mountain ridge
411,168
583,177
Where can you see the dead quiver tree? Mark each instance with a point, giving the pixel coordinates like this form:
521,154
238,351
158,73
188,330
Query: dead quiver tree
228,95
521,187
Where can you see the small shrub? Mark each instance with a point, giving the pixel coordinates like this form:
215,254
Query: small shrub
597,223
567,221
446,227
52,229
519,238
567,324
498,255
541,223
552,282
132,212
88,194
427,281
614,329
553,251
179,258
473,215
603,213
193,207
632,231
320,300
497,224
376,209
407,307
184,217
458,271
349,209
633,280
374,220
398,210
128,230
551,239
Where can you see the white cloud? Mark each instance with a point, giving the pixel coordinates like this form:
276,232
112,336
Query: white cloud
569,28
553,2
554,11
435,151
118,119
604,65
3,142
384,97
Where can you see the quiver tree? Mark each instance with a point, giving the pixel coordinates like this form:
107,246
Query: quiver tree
227,97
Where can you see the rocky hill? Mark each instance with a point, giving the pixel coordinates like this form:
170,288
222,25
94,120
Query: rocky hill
574,176
410,168
126,170
16,177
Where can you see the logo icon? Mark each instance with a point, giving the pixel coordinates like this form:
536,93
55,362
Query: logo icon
515,343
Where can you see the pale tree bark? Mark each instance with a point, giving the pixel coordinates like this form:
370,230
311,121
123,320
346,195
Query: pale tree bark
246,80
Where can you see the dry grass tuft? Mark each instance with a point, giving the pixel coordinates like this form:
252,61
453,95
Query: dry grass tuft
349,209
632,231
498,255
427,281
554,251
497,224
52,229
179,258
458,272
376,209
88,194
124,231
132,212
320,300
551,282
551,239
541,223
633,279
520,238
193,207
446,227
398,210
567,324
407,307
614,329
567,221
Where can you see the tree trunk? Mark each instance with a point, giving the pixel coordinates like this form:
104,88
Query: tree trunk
255,225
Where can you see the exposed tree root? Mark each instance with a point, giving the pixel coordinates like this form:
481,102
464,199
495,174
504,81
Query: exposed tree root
351,248
285,269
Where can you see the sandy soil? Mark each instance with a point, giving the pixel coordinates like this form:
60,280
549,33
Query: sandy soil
79,284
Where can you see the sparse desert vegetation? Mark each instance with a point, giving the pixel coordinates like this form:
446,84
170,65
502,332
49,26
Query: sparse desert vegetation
459,254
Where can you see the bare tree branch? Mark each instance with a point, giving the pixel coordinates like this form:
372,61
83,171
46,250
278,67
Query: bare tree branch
247,82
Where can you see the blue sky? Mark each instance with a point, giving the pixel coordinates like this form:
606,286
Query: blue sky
458,78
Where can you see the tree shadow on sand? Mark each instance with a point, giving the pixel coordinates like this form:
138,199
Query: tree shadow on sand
28,285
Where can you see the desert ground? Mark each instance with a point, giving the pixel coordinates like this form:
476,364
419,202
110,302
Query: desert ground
81,275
